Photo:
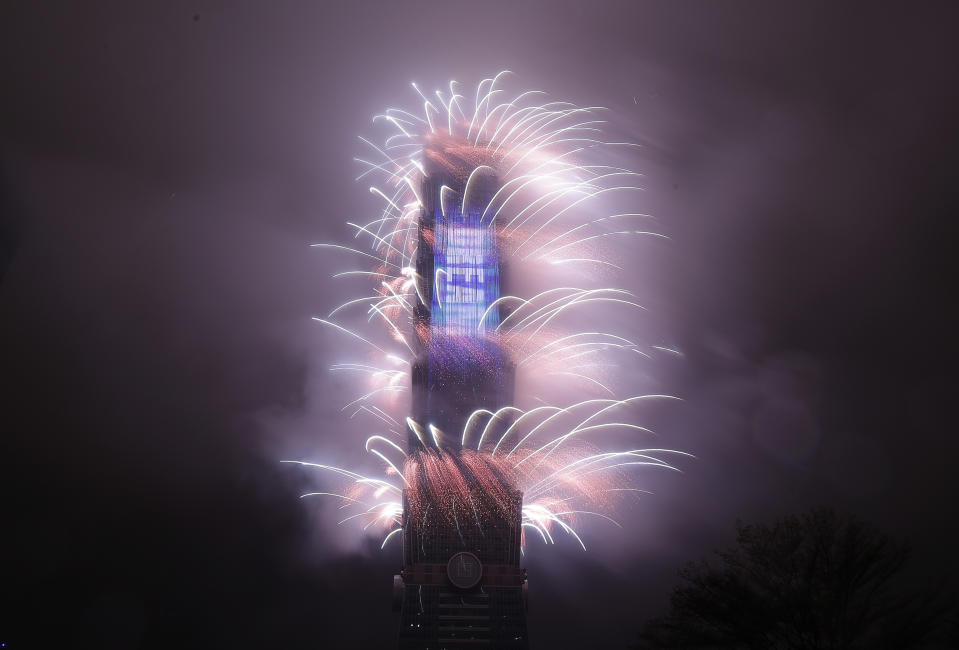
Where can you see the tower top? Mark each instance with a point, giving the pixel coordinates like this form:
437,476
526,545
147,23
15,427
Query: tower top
456,157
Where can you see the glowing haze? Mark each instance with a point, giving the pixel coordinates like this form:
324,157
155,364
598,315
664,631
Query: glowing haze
559,209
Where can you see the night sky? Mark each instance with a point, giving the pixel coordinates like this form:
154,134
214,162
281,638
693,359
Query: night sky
164,166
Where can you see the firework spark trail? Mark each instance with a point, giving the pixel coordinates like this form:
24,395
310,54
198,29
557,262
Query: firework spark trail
550,208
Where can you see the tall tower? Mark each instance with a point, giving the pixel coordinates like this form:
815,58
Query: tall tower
461,584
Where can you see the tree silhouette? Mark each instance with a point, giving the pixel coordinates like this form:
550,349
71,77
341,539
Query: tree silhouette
816,581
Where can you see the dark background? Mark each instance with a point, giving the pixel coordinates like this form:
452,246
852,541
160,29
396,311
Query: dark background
164,165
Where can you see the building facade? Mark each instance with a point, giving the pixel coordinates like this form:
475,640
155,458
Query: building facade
461,584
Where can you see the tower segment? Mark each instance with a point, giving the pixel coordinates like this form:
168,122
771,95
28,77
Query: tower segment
461,584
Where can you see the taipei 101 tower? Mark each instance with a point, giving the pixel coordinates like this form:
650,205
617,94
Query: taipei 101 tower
461,585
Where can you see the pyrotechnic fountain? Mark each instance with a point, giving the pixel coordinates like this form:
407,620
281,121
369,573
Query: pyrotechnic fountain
473,194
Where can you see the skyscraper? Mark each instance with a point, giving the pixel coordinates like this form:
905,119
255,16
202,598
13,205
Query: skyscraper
461,584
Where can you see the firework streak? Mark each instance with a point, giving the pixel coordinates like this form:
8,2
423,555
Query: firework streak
477,191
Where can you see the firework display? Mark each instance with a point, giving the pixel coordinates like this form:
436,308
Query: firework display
490,289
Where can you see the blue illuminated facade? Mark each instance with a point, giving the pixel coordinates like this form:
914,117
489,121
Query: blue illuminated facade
461,367
466,274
